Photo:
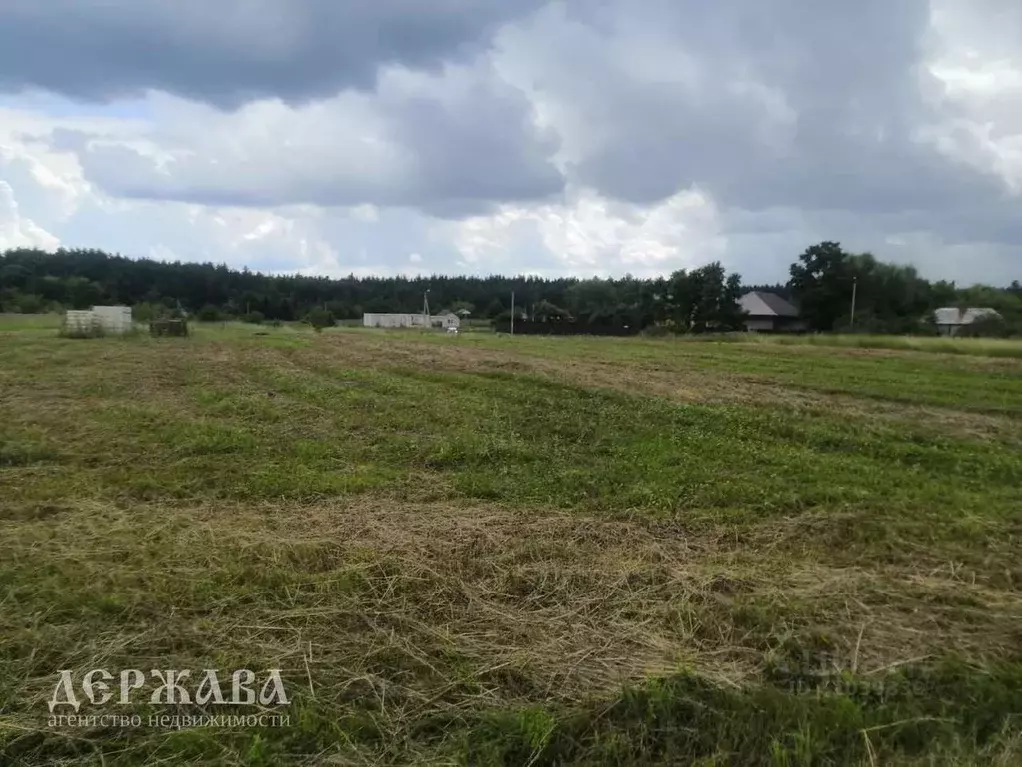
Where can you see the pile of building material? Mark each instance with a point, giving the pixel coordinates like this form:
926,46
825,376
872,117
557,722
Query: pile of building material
395,320
98,321
444,321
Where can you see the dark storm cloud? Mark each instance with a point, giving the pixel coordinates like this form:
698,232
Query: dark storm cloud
226,52
785,102
821,109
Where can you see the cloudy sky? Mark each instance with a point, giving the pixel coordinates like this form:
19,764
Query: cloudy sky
584,137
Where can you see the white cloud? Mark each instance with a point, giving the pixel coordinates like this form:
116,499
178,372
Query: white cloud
368,213
979,65
453,141
16,231
593,235
677,233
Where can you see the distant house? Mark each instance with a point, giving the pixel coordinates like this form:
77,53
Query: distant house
950,320
768,312
446,321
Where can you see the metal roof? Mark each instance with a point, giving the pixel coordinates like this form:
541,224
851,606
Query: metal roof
952,315
761,304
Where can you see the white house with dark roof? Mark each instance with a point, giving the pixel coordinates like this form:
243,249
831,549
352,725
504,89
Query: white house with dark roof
768,312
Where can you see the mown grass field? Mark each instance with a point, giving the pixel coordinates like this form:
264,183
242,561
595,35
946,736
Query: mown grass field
484,550
979,347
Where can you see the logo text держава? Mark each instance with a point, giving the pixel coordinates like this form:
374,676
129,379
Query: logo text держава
172,688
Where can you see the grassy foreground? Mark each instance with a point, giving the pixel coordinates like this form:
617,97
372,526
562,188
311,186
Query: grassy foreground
483,550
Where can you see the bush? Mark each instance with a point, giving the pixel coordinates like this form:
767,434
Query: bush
656,331
209,313
320,318
253,318
147,312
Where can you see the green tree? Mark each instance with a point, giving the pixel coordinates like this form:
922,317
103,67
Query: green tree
209,313
821,283
942,293
889,298
495,308
30,303
705,299
147,312
319,317
545,311
595,300
717,294
82,293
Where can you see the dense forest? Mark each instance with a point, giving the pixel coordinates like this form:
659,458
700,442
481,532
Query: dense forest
889,298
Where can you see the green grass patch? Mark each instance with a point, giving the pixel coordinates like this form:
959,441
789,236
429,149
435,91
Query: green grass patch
950,712
486,550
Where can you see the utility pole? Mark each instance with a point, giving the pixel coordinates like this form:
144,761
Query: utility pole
855,285
512,312
425,308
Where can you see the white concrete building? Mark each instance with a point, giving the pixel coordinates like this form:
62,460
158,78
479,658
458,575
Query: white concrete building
446,321
395,320
442,321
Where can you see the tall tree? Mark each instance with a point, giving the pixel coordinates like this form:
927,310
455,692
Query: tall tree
822,282
594,300
704,299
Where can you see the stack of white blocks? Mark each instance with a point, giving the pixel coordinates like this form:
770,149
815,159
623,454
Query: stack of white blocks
114,320
79,321
394,320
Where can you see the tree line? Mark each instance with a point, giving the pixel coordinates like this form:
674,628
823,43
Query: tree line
889,298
